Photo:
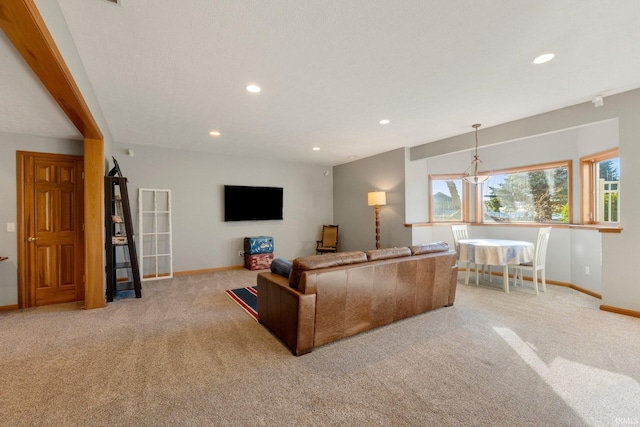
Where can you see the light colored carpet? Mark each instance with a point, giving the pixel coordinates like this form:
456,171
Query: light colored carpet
185,354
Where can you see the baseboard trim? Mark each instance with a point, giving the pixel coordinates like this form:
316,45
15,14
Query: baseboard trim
617,310
586,291
207,270
552,282
159,276
9,307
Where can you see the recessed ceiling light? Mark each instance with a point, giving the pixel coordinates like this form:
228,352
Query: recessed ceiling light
253,88
384,121
316,148
544,58
214,133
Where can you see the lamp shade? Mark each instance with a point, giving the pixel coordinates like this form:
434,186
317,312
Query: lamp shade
377,198
475,179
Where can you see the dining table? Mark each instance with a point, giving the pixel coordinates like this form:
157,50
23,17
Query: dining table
495,252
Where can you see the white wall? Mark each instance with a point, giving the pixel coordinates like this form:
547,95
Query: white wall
9,144
201,238
586,247
421,235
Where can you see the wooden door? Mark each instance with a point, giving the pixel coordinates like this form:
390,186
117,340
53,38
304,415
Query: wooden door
50,240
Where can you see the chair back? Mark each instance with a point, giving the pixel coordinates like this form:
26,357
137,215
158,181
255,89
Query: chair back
459,233
541,246
329,236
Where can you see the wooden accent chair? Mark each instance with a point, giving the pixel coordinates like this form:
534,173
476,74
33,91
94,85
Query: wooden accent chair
329,242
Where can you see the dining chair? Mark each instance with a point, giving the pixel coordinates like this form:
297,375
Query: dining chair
460,233
540,253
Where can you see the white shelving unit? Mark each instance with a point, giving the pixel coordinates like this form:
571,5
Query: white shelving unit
156,256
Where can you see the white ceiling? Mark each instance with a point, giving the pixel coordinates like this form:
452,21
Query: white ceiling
166,73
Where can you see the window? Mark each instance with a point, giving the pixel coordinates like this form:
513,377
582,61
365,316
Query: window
600,188
448,199
539,193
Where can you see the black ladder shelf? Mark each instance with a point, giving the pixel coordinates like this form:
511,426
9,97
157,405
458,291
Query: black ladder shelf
118,213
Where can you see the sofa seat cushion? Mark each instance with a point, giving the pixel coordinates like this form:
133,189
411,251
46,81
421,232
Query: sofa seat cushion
314,262
388,253
429,248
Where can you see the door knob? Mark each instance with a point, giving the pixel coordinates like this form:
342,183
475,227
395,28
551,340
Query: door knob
32,239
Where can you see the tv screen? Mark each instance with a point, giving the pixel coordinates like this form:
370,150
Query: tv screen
245,203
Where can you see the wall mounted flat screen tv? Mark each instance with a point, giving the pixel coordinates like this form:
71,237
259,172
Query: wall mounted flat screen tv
245,203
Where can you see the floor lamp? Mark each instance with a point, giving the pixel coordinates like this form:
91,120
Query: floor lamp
375,199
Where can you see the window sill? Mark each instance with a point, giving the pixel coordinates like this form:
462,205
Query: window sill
598,227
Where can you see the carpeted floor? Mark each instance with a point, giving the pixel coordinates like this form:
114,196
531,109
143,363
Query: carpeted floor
185,354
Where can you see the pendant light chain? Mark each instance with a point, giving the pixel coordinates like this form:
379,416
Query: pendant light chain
475,178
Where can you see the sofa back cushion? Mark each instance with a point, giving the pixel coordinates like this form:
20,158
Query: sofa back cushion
315,262
428,248
388,253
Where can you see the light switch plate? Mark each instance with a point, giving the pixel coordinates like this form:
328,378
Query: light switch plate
11,227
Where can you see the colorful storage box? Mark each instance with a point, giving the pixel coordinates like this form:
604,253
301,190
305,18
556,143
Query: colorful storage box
258,245
258,261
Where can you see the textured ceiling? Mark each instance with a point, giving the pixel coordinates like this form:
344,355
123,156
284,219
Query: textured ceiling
166,73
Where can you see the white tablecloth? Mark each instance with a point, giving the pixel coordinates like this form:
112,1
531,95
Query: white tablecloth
495,251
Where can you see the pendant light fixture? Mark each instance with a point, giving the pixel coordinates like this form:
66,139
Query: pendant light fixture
471,173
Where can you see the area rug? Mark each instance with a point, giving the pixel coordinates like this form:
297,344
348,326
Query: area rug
247,298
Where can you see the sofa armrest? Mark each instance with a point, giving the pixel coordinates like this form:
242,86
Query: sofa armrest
453,284
287,312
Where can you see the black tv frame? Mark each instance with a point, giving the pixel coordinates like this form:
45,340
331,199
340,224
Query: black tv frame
252,203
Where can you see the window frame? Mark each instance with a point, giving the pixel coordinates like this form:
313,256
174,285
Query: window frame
479,211
464,197
587,185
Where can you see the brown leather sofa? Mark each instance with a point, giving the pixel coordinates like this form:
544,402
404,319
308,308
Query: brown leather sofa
333,296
